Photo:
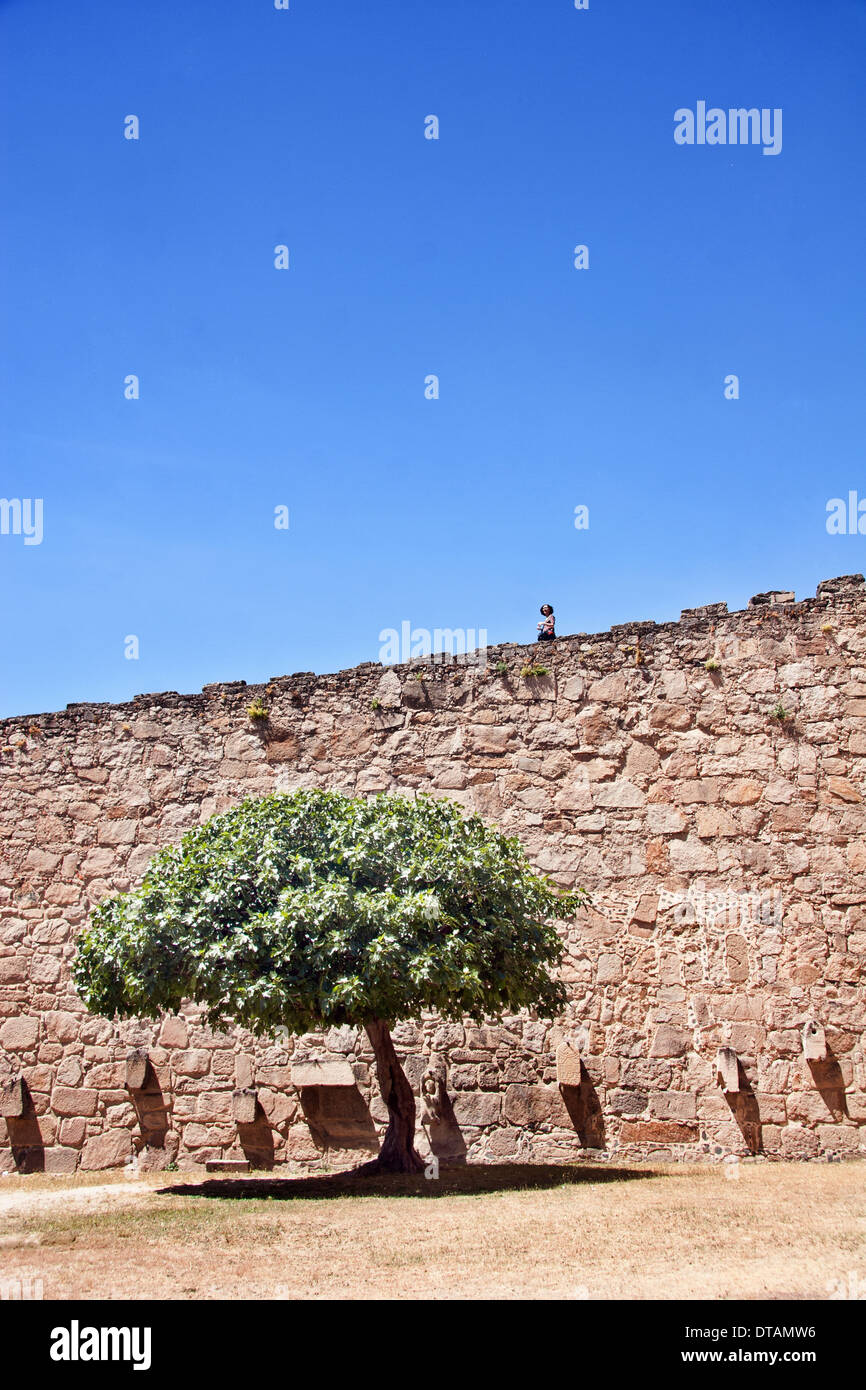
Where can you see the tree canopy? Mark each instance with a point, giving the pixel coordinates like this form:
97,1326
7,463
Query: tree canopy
312,908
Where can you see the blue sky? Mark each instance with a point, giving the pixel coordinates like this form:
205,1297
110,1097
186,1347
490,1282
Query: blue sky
409,257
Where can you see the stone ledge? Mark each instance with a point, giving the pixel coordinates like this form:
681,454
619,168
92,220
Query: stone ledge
322,1073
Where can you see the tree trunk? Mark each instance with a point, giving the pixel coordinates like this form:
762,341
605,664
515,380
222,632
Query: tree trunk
397,1154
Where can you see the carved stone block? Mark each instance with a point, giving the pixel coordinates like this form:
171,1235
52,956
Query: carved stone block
322,1073
244,1104
243,1071
814,1042
567,1065
12,1098
433,1092
728,1070
137,1063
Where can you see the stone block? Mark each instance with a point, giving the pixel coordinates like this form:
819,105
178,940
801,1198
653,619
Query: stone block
841,789
61,1026
244,1106
528,1105
568,1069
609,969
117,832
13,1098
796,1142
74,1100
60,1160
19,1034
674,1105
713,822
73,1132
214,1106
503,1143
657,1132
477,1107
744,792
110,1150
669,1042
810,1107
137,1066
665,820
626,1102
322,1073
670,716
174,1033
728,1070
620,794
844,1139
737,958
771,1108
195,1062
814,1041
771,598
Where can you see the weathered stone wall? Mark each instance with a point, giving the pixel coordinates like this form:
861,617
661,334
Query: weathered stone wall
642,775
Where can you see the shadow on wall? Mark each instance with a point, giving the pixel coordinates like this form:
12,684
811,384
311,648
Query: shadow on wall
469,1179
257,1140
25,1138
744,1108
150,1108
338,1118
585,1112
444,1135
830,1083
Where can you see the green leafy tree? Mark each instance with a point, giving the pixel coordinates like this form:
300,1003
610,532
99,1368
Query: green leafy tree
313,909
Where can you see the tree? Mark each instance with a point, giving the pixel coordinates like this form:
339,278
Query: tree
313,909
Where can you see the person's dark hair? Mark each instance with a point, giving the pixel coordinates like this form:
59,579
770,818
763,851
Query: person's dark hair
542,608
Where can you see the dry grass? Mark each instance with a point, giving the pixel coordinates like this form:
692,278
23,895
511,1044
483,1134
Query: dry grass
779,1231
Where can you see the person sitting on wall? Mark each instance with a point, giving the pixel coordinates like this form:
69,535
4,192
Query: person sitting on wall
545,628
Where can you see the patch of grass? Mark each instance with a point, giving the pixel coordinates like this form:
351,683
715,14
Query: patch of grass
257,712
614,1230
532,671
712,665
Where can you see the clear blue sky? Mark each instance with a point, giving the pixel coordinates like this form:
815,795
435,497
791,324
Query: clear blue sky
409,257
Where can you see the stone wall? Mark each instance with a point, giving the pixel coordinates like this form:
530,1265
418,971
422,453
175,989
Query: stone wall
647,766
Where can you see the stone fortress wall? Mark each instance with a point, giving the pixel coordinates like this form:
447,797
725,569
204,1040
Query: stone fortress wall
717,1004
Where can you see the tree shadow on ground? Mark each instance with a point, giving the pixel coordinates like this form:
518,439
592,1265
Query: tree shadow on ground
474,1179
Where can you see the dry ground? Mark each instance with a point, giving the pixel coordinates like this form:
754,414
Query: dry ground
777,1231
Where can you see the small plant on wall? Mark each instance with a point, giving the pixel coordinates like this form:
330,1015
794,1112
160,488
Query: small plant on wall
257,712
532,671
712,665
636,652
780,714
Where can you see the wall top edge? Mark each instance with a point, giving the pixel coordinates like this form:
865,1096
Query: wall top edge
782,603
